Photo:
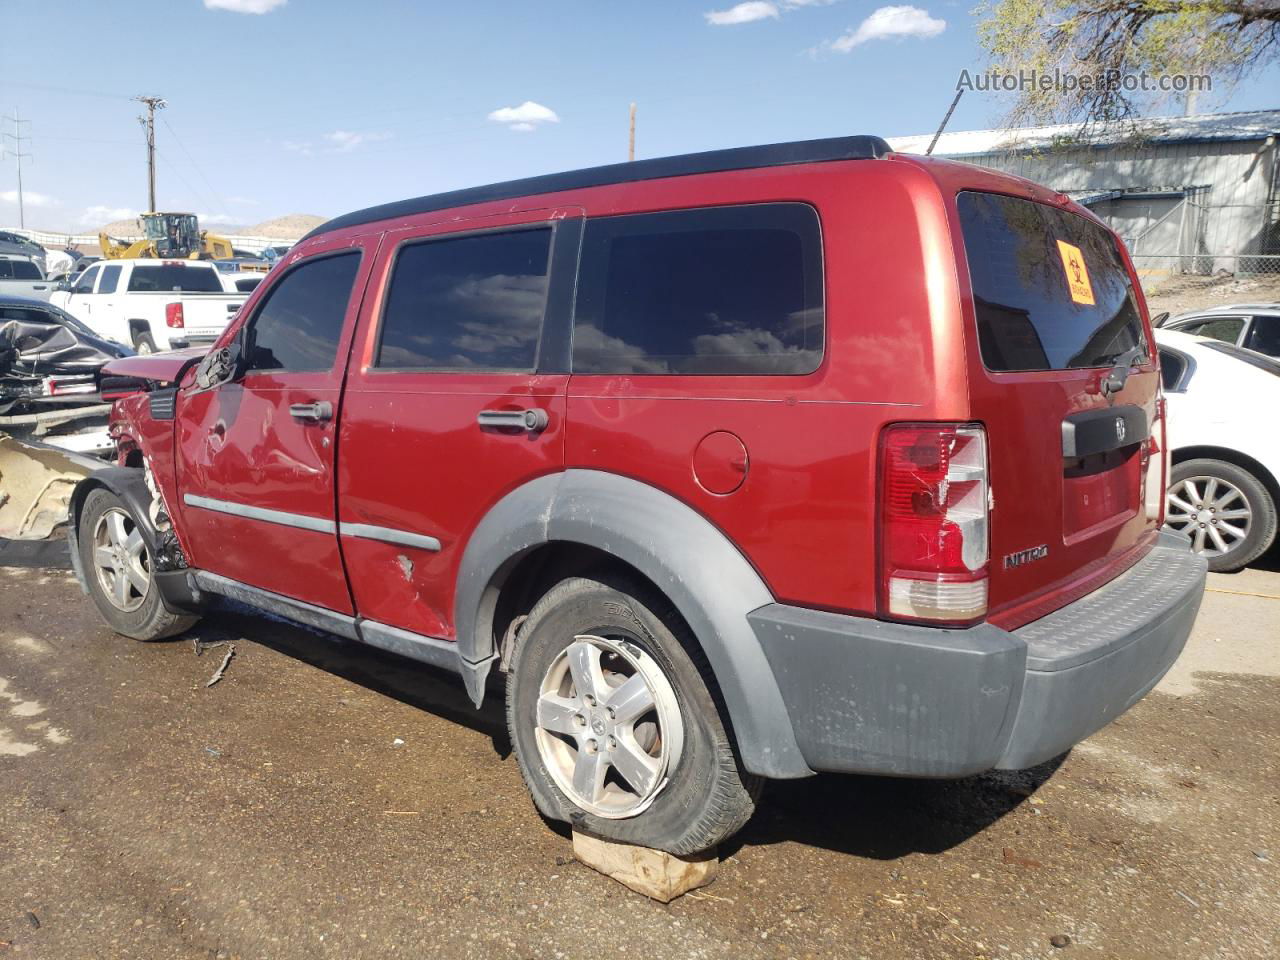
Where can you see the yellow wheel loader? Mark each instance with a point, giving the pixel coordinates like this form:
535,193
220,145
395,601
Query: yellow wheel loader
168,236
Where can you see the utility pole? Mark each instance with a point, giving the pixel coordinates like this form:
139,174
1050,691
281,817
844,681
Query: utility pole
149,122
631,144
18,156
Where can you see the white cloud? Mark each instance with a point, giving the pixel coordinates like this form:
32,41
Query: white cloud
96,216
207,218
890,22
29,198
344,141
244,6
747,12
754,10
526,117
303,147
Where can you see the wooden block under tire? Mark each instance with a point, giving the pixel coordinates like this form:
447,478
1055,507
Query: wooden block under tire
662,876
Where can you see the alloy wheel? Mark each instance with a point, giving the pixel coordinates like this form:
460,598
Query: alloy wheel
608,726
120,560
1210,510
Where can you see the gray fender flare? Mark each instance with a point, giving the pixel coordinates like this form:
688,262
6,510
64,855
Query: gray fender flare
698,568
130,485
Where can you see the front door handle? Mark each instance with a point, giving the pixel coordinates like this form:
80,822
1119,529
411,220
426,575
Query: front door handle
531,420
314,412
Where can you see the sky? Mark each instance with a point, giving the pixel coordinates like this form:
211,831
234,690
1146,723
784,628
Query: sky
326,106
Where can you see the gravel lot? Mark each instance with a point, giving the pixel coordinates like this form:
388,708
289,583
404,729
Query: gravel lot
325,801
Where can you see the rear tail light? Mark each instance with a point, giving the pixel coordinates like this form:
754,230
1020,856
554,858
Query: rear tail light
933,522
173,315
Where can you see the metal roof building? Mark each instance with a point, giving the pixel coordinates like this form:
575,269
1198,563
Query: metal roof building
1193,194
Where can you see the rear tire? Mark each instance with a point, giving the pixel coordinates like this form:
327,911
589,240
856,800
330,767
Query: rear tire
144,343
1225,510
117,571
667,774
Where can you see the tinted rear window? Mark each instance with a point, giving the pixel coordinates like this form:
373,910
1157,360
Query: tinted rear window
19,270
720,290
1034,271
171,277
467,303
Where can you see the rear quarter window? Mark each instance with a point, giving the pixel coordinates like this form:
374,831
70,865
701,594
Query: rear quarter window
178,278
719,290
1034,270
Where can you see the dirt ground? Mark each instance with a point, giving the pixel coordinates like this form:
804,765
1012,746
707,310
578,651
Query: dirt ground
325,801
1181,294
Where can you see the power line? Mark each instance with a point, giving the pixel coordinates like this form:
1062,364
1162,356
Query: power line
222,204
18,156
71,91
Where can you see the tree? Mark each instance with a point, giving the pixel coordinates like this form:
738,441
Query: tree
1118,42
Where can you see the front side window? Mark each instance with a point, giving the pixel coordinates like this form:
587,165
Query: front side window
720,290
467,303
1050,290
110,278
299,324
85,283
1226,329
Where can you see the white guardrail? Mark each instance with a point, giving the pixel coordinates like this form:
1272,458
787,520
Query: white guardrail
56,241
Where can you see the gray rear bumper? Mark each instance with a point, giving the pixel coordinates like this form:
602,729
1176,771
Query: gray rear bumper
867,696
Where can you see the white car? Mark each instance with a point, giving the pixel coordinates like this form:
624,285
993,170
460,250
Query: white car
1222,402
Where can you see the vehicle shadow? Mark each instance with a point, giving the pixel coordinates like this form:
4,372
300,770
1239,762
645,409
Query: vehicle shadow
884,818
881,818
416,684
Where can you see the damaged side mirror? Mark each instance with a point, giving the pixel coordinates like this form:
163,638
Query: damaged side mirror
219,366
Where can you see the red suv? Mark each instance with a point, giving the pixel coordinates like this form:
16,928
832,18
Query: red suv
738,465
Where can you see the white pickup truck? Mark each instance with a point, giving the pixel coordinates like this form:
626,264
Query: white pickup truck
20,276
151,305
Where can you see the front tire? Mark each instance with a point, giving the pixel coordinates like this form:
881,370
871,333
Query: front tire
1225,510
613,721
117,570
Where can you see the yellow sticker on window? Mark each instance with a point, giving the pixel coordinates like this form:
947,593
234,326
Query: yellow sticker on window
1077,273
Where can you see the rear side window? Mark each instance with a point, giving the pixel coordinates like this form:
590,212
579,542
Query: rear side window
19,270
110,278
172,277
1049,288
721,290
467,303
298,326
1264,335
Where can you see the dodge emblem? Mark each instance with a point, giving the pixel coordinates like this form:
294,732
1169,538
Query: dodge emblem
1120,428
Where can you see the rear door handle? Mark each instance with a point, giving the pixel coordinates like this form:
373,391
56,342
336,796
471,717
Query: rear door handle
314,412
531,420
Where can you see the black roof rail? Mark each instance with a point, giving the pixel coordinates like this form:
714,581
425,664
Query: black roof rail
714,161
